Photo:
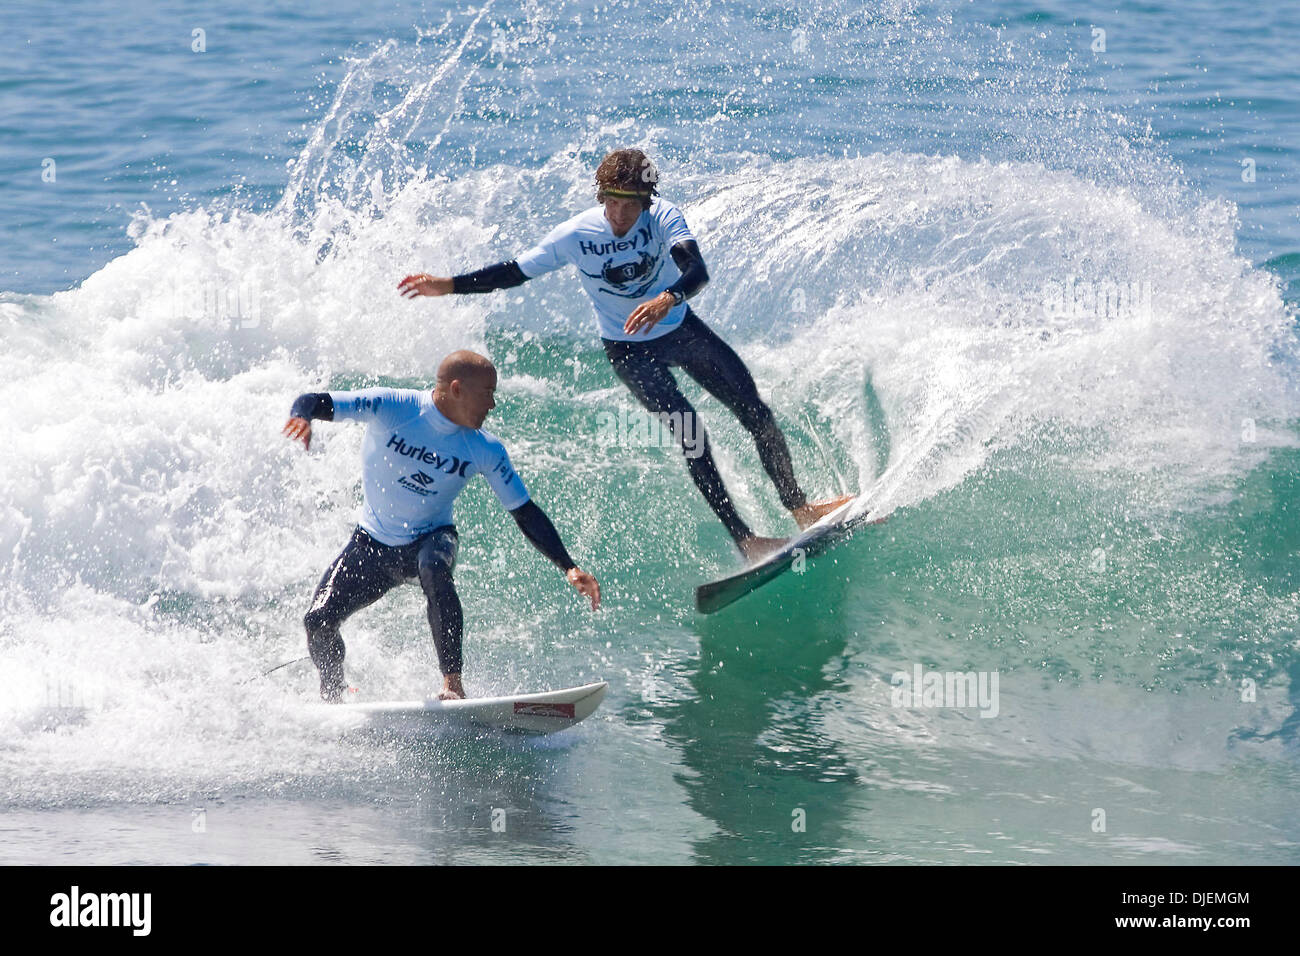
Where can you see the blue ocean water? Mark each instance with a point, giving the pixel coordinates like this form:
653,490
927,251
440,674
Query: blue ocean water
1025,272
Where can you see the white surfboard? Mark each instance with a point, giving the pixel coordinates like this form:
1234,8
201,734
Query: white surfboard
542,713
832,528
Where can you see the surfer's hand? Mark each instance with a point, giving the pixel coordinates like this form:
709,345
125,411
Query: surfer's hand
298,429
648,314
424,284
585,584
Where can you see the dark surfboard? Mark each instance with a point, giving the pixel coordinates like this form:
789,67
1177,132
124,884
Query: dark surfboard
833,528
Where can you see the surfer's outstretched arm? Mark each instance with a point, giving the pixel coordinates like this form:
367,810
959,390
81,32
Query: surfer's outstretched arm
308,406
544,257
503,275
540,531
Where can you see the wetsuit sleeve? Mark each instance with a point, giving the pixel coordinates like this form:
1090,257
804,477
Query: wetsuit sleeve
547,255
389,406
539,530
694,275
312,406
503,275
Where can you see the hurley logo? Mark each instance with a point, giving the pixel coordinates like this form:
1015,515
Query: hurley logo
451,464
102,909
505,469
641,238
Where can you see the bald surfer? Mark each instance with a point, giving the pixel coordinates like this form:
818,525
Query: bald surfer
639,263
420,449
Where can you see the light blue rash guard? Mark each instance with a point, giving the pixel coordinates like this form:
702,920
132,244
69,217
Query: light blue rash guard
415,461
619,273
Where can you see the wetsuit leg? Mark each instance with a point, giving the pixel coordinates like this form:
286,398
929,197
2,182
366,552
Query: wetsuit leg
363,573
655,388
435,559
716,366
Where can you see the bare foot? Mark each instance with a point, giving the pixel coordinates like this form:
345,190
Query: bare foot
814,511
452,688
755,548
334,689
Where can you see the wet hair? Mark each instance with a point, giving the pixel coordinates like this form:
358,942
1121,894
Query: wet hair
627,171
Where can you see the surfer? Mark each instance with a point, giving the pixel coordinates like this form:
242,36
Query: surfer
420,449
639,263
